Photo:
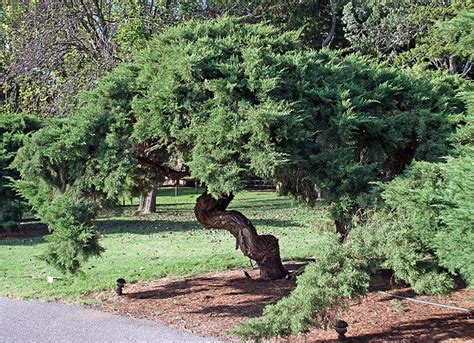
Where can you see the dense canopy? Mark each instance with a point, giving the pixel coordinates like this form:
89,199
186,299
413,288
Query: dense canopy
378,136
222,100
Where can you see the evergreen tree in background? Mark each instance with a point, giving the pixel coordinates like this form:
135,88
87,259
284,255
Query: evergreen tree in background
13,129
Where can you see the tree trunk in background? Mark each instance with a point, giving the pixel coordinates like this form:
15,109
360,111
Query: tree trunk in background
453,67
342,229
264,249
147,202
332,31
150,200
141,202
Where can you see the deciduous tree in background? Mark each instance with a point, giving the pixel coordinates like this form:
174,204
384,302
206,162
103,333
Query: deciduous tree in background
51,50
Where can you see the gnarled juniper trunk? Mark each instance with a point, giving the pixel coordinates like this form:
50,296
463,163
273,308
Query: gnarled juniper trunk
264,249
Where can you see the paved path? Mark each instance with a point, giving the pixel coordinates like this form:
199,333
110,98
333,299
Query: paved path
33,321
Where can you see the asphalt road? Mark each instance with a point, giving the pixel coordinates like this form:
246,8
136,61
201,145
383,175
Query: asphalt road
33,321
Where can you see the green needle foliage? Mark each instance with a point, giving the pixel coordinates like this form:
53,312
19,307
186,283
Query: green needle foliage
423,231
224,100
430,208
424,234
428,34
433,203
13,128
70,169
327,284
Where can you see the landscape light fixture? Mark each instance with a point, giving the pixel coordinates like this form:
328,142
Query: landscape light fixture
120,284
341,329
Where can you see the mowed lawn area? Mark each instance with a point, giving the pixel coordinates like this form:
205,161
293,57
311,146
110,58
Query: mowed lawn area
168,243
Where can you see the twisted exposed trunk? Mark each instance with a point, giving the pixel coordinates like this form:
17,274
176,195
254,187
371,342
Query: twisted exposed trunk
264,249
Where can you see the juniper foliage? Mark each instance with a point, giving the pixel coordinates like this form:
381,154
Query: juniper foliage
222,100
13,128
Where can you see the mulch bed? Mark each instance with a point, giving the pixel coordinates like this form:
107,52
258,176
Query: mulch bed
211,304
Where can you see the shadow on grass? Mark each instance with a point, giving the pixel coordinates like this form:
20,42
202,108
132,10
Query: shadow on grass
190,205
144,227
275,223
30,233
259,204
135,226
22,241
160,207
241,205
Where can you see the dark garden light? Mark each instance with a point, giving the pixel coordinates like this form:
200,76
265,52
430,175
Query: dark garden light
341,329
120,284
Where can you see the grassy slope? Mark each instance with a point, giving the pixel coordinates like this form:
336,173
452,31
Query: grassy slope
168,243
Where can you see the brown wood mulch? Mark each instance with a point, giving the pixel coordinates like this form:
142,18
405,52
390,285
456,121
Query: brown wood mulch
210,304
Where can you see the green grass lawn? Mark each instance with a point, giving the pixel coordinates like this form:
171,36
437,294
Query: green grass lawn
167,243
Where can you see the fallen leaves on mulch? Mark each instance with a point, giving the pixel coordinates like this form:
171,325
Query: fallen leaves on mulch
211,304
